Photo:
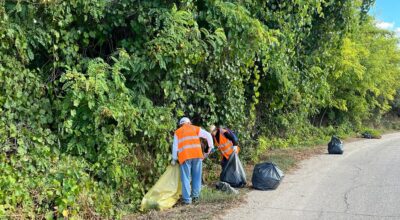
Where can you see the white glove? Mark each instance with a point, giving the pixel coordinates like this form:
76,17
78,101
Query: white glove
235,149
173,162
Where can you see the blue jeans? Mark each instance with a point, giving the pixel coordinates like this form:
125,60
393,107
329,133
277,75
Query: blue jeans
191,171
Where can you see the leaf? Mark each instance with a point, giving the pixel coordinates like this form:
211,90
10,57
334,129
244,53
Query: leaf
65,213
76,102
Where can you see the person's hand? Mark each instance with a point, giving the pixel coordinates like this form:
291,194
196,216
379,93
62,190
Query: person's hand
173,162
209,152
235,149
212,150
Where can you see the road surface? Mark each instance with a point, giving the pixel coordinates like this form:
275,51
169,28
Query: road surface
363,183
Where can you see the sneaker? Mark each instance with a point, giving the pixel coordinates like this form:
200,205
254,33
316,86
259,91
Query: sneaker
195,200
186,203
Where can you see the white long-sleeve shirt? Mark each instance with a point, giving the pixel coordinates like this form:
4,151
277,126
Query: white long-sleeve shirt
203,134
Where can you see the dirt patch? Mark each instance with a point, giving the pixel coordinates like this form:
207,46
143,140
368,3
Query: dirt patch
352,139
288,159
202,210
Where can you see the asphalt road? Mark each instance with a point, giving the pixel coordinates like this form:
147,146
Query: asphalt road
363,183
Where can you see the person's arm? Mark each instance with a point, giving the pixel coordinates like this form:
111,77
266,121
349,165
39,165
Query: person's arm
206,135
228,135
175,148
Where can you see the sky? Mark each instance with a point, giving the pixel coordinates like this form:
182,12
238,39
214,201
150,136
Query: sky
387,14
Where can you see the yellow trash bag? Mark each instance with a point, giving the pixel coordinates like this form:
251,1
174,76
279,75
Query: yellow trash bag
165,193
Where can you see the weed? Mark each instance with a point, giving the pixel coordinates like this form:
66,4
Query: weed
210,195
371,133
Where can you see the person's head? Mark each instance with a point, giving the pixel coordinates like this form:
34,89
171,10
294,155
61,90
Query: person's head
184,120
212,129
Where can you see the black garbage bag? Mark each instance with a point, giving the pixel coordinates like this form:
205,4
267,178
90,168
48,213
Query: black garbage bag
233,173
366,135
335,146
266,176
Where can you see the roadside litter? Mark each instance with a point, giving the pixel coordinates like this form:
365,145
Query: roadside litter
233,173
335,146
225,187
371,134
366,135
165,193
266,176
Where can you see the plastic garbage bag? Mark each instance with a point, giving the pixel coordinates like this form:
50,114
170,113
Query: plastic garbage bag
165,193
266,176
366,135
225,187
233,173
335,146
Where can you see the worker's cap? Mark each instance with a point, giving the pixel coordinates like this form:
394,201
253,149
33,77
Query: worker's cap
212,128
184,120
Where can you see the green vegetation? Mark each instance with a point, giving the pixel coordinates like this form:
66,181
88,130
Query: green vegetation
211,195
284,161
90,90
373,133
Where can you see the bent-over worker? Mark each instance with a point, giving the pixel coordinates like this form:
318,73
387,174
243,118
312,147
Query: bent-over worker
226,141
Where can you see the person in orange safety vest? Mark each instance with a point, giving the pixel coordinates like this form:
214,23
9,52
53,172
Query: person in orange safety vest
226,142
186,149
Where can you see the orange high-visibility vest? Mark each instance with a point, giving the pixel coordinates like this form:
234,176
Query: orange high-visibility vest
189,146
224,145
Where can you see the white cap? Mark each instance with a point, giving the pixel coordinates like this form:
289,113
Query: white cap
212,128
184,120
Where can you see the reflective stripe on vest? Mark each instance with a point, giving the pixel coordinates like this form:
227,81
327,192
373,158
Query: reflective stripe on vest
230,148
188,138
225,145
189,146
